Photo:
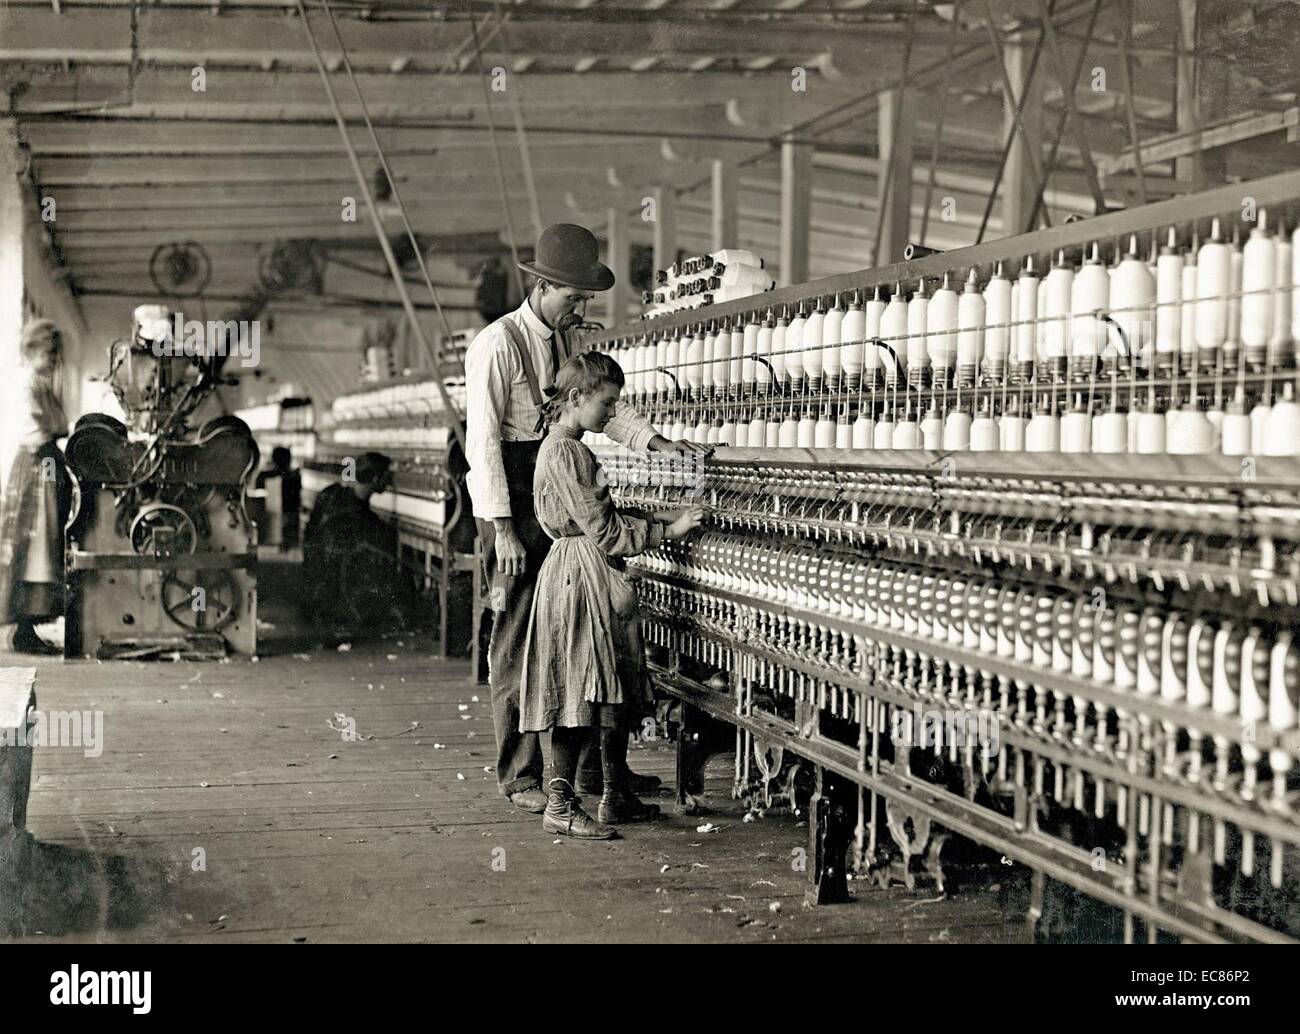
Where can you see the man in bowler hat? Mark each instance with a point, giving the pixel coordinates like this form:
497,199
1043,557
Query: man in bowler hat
508,367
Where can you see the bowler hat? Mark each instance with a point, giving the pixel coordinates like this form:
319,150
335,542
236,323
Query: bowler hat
567,254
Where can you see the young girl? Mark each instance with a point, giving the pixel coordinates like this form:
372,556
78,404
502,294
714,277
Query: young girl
571,675
37,498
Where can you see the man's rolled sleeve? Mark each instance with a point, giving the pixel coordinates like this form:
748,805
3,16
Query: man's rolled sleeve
487,387
630,428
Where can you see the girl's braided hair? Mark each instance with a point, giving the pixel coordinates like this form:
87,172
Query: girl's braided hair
585,373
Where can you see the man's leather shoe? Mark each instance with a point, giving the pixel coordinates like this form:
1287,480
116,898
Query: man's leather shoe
637,784
530,800
618,806
564,815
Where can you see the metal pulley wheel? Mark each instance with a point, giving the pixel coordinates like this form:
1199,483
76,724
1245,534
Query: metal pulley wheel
160,529
201,601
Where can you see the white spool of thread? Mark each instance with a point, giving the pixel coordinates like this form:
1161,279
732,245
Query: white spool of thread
763,348
918,358
1058,292
806,432
941,330
1236,264
883,433
971,309
1169,298
1295,284
864,432
1213,279
813,362
1187,329
645,363
997,314
853,332
794,348
1027,313
957,431
788,433
1076,429
721,372
872,357
1150,436
932,430
824,432
1040,330
907,433
893,331
1282,432
1012,430
777,355
1258,425
694,353
1132,297
736,365
749,345
1190,433
832,339
1110,433
843,435
771,433
1236,428
985,436
1258,278
709,355
671,362
727,433
757,436
1044,431
1281,336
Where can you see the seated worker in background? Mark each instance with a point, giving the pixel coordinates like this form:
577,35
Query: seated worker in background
351,574
290,494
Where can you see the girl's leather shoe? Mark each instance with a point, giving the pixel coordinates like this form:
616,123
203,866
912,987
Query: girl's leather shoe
620,806
564,815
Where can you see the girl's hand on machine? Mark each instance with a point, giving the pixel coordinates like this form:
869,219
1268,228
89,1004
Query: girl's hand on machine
690,519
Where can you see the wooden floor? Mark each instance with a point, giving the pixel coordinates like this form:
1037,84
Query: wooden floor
224,807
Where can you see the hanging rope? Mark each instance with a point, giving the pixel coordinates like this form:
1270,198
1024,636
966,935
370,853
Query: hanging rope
525,156
388,172
496,154
457,425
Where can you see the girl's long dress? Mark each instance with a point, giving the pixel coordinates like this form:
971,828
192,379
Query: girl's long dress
570,657
35,508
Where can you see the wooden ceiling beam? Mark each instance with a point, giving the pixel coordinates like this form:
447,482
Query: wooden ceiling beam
104,36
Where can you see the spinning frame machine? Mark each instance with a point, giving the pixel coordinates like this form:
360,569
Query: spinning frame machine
1117,603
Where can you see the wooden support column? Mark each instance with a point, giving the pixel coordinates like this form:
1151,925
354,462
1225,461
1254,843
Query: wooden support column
13,215
665,227
616,257
796,211
725,227
897,112
1019,189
